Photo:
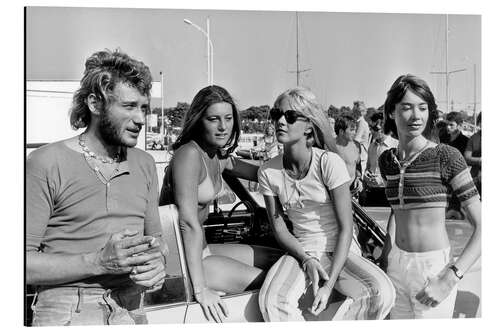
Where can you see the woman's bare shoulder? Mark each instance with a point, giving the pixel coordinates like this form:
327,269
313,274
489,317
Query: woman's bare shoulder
186,158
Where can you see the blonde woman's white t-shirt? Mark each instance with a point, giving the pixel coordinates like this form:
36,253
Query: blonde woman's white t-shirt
306,201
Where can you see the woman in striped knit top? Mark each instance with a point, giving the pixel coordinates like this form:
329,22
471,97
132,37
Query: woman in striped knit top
421,175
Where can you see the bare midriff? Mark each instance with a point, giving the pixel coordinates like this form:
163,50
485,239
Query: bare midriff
421,230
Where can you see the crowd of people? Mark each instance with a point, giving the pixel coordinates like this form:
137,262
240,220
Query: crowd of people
94,242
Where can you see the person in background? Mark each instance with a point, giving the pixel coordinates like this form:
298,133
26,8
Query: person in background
332,124
374,184
440,132
390,126
420,175
193,180
310,184
473,155
362,135
440,115
456,139
266,149
271,146
93,235
349,150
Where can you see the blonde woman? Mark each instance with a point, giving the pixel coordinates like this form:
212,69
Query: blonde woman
310,184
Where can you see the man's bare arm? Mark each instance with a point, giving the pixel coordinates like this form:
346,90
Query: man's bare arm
121,253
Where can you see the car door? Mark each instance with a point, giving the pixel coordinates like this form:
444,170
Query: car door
242,307
174,302
169,304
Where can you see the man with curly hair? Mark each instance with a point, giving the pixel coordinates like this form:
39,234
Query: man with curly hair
93,232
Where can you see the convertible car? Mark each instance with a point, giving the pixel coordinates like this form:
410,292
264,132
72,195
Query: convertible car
240,217
245,222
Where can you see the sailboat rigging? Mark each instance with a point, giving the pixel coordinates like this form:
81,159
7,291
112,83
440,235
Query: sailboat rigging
447,72
297,70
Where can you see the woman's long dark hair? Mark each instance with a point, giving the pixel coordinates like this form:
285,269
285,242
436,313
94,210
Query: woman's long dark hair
191,128
420,88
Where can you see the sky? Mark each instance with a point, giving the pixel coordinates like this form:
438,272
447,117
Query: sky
349,56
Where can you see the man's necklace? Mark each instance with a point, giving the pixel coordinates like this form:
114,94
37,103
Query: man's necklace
90,154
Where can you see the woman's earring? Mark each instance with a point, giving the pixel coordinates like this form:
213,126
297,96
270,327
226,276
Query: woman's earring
308,131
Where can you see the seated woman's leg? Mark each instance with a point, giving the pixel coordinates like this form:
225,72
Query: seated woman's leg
279,296
262,257
237,267
231,276
370,288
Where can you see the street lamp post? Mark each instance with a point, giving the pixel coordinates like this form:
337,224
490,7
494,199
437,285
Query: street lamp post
210,49
162,128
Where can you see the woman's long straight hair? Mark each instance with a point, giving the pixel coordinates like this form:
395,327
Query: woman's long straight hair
191,128
303,101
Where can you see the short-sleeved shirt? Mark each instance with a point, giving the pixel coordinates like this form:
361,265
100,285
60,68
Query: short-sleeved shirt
428,181
363,137
69,210
460,143
306,201
376,149
474,145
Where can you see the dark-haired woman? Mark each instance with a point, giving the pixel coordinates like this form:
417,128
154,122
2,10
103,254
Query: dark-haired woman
421,175
194,179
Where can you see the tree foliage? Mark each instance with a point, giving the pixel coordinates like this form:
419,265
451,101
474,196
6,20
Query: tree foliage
255,118
258,113
175,115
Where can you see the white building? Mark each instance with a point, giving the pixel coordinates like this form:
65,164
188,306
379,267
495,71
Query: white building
47,112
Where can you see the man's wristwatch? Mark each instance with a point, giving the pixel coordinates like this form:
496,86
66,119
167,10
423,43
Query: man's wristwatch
456,271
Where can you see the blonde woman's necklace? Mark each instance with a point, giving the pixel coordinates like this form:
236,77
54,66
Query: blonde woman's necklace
302,170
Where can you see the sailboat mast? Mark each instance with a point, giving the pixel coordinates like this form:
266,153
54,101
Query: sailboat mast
297,70
446,68
475,114
297,44
447,72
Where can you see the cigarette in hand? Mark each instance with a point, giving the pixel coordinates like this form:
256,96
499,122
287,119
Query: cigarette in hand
153,242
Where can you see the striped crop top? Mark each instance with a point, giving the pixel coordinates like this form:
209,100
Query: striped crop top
429,180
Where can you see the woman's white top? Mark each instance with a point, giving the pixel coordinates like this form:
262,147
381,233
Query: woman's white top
306,201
